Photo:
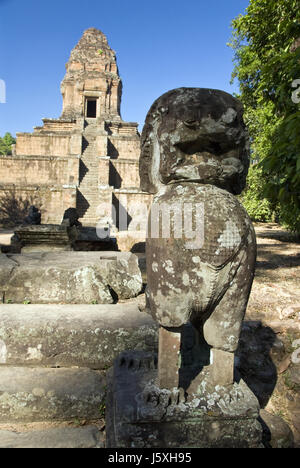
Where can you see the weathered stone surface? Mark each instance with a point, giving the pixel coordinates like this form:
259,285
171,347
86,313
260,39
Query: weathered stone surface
196,135
69,277
72,335
65,437
141,415
37,394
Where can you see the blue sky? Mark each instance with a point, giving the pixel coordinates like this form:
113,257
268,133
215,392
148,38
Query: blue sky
160,45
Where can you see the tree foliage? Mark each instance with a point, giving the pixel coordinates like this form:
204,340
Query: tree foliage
267,62
6,143
258,207
14,208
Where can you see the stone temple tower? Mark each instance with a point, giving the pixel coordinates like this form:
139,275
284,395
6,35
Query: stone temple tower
88,158
92,86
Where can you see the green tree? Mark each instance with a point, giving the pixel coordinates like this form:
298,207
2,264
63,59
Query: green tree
258,207
6,143
267,63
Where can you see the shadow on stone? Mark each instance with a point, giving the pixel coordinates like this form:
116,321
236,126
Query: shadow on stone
82,204
253,362
139,247
195,355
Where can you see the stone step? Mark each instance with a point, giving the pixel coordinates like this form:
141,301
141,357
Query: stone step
90,161
90,174
64,335
39,394
93,191
90,218
86,185
89,152
92,212
86,220
89,157
89,170
87,189
92,198
92,202
58,437
89,177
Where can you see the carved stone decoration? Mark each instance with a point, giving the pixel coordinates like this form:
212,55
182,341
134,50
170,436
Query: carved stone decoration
139,414
201,245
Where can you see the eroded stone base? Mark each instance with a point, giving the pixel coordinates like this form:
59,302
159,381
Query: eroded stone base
140,414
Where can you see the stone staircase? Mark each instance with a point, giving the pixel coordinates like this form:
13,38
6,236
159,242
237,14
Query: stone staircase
53,395
54,357
42,405
88,196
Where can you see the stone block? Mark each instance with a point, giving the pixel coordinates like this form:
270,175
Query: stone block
61,437
37,394
72,335
46,237
69,277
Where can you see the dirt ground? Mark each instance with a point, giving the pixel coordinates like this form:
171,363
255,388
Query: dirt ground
277,277
274,314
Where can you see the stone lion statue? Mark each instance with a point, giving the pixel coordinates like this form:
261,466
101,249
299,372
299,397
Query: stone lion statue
201,245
